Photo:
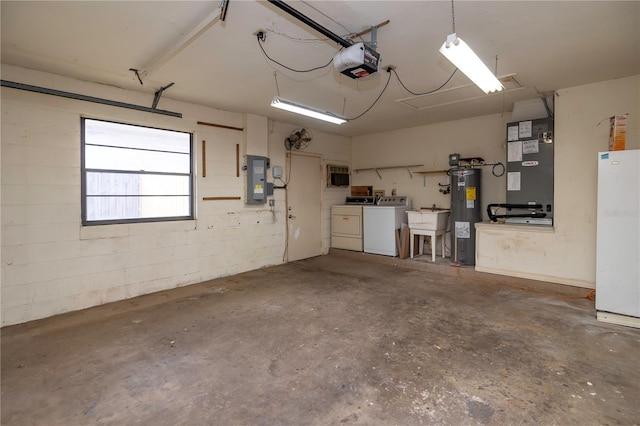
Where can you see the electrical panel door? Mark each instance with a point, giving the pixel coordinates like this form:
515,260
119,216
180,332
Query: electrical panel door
257,179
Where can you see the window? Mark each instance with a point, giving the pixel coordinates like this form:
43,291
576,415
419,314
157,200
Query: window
135,174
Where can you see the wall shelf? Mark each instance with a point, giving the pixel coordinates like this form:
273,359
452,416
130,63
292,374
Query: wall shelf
424,174
432,172
377,169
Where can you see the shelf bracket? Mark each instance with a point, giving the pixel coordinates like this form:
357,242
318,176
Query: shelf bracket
378,173
409,171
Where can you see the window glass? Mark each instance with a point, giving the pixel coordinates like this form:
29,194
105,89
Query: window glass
135,174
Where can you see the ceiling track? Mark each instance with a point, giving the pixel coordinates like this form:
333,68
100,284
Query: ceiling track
310,22
80,97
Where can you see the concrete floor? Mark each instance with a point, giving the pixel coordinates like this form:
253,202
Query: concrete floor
333,340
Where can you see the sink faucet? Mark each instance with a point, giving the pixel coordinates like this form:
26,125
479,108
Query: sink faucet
434,208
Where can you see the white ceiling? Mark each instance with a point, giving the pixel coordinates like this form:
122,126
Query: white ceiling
548,45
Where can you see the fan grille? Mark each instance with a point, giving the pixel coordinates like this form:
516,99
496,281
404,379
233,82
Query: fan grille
299,139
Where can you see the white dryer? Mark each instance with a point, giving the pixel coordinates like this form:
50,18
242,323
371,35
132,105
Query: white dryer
346,223
380,224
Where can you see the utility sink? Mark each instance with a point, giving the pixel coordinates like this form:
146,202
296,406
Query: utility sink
429,219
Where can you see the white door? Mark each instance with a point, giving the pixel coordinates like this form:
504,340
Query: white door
304,199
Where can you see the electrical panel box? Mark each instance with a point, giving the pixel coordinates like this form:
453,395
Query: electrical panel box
257,179
530,167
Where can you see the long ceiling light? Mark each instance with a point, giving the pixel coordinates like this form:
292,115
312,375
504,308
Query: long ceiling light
461,55
286,105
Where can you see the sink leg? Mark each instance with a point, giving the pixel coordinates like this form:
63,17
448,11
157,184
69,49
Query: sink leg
433,246
411,238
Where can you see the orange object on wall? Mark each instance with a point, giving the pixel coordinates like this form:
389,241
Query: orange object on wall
618,132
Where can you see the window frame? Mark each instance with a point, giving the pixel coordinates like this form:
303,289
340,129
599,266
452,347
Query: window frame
84,171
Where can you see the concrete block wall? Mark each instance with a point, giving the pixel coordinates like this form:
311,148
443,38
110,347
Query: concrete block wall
51,264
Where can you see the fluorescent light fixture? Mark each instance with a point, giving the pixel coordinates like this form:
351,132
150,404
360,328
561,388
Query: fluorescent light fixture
278,102
461,55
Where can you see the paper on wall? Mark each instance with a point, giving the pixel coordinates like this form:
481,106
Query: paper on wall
514,151
512,133
513,181
524,129
530,147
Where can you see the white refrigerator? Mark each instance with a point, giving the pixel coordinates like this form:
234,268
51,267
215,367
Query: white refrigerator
618,238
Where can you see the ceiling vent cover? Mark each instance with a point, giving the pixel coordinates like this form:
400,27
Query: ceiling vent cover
457,94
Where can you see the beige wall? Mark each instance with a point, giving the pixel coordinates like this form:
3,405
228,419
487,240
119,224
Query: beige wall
562,254
567,254
51,264
430,146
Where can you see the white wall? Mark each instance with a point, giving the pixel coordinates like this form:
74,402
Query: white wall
51,264
431,145
567,254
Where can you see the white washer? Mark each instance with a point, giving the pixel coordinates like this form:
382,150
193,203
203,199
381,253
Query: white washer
380,224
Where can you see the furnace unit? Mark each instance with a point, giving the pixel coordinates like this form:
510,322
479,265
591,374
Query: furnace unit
530,170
